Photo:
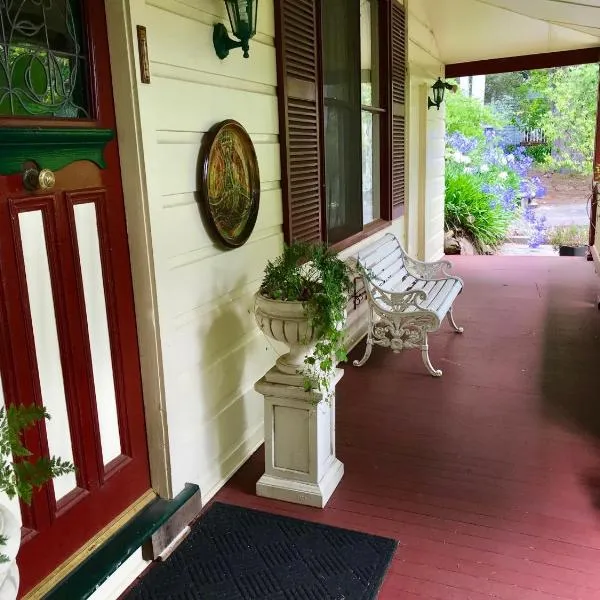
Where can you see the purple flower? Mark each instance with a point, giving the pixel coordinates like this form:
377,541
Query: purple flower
529,215
462,143
540,190
538,235
508,199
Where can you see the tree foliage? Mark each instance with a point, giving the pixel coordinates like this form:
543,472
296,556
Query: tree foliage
570,124
468,116
560,101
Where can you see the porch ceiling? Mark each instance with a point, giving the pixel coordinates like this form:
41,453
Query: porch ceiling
470,30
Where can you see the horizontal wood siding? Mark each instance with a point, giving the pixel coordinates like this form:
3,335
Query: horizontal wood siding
212,351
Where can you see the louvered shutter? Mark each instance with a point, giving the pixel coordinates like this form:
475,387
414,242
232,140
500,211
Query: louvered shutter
297,66
398,76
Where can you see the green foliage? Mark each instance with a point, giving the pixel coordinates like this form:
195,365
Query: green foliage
540,153
19,473
573,236
520,96
570,126
503,86
313,274
473,212
560,101
468,116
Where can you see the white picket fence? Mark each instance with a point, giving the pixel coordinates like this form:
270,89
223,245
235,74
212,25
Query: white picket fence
522,137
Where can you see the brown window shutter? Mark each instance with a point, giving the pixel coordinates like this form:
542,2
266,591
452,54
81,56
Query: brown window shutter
398,107
299,118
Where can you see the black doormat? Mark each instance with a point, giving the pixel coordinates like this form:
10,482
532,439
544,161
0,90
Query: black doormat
235,553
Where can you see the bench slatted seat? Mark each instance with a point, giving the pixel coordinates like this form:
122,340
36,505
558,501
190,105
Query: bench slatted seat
407,298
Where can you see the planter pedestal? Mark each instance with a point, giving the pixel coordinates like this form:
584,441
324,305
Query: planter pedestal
300,461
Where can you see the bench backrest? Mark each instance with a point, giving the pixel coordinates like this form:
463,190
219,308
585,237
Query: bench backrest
383,261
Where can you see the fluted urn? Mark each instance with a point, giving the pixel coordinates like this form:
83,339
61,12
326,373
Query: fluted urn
286,322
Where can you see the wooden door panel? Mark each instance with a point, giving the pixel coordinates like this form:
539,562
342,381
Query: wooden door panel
67,320
67,290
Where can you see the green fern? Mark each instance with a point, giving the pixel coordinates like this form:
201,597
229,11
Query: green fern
20,474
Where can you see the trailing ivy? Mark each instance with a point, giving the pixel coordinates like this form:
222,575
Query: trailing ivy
315,276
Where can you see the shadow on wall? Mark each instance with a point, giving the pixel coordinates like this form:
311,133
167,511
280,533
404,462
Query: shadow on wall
571,366
222,379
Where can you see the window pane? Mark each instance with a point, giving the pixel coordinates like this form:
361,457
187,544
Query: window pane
369,53
42,59
370,167
341,90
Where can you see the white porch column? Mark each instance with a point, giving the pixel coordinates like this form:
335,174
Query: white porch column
300,461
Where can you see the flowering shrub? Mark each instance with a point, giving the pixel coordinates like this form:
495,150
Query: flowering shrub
484,187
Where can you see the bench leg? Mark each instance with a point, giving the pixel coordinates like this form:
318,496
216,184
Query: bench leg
367,354
427,362
453,322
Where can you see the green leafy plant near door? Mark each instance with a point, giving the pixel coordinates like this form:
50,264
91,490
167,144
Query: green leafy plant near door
313,276
19,473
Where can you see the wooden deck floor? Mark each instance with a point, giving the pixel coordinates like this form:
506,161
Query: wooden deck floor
489,476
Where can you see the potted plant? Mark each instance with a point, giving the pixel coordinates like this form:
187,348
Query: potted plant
569,240
302,303
20,474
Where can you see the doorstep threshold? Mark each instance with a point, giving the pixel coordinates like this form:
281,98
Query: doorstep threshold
82,581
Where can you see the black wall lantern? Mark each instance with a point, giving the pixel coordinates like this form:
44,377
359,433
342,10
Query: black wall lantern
439,88
242,17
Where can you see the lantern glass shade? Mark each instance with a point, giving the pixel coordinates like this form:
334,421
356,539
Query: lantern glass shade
242,17
439,88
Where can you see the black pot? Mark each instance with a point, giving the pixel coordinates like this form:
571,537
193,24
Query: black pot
572,251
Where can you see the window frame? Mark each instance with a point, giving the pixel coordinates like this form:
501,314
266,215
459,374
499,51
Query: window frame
383,109
298,42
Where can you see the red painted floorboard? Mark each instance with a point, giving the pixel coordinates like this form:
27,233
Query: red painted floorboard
489,476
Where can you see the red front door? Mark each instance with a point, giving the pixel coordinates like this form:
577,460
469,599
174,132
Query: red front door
67,323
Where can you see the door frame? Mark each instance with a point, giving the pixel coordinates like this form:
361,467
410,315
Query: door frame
122,44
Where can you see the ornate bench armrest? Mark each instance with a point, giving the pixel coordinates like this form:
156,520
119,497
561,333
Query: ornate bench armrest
427,270
396,302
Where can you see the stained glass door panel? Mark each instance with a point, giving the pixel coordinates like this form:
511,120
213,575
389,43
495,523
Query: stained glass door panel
43,59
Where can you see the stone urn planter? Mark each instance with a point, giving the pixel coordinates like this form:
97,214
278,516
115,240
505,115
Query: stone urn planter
301,303
300,461
286,322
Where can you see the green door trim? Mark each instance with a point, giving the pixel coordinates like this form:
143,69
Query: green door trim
52,148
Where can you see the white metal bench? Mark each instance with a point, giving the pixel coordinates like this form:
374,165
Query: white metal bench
407,298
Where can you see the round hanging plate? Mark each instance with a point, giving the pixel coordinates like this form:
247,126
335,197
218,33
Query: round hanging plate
230,183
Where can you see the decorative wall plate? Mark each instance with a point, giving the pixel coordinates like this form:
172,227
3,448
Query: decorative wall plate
230,182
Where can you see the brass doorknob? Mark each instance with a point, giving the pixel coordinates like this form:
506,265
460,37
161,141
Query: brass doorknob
46,179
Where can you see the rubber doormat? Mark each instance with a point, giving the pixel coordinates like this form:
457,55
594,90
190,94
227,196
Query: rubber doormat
234,553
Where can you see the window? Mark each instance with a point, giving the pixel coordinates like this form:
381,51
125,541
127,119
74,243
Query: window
370,111
341,78
341,117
